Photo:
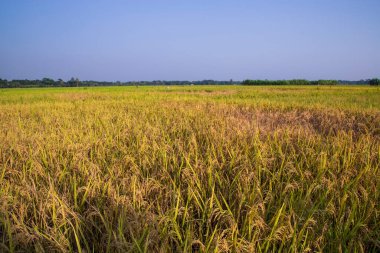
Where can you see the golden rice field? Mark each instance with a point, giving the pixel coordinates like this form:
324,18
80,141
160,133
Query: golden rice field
190,169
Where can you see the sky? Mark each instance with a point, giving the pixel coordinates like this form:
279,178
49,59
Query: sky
134,40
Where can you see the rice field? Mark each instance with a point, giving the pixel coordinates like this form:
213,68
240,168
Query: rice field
190,169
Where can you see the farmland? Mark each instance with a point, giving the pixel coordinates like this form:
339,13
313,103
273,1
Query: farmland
190,169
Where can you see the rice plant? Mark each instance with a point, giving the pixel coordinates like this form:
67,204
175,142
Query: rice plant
190,169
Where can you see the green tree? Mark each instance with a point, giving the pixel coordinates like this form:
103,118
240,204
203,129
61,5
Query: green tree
374,81
3,83
47,82
74,82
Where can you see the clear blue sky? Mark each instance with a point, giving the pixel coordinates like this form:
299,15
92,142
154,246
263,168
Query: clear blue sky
189,40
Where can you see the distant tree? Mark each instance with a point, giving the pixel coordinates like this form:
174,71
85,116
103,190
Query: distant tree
289,82
71,82
47,82
374,82
60,82
267,82
74,82
325,82
3,83
299,82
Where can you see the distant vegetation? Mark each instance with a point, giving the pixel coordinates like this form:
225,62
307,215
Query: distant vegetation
290,82
75,82
374,81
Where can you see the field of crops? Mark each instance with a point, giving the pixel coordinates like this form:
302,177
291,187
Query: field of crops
190,169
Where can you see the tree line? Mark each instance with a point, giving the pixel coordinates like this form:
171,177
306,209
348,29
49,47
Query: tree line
374,81
75,82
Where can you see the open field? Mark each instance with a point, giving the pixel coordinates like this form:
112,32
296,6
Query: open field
190,169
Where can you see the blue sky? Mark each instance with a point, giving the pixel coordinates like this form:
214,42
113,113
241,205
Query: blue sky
189,40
